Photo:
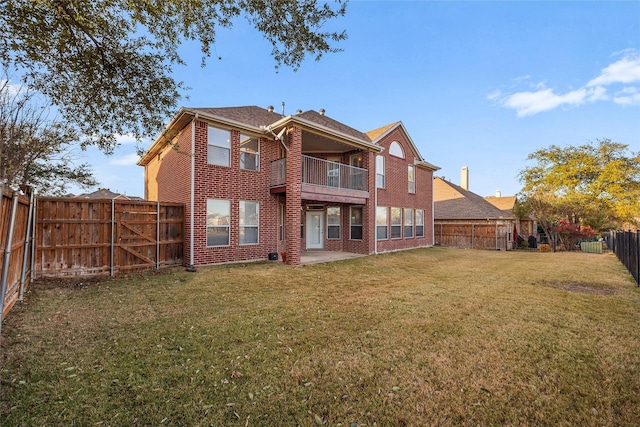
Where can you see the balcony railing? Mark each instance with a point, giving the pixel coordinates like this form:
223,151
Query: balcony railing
323,173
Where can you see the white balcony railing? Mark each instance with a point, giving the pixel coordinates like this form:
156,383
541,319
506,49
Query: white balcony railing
323,173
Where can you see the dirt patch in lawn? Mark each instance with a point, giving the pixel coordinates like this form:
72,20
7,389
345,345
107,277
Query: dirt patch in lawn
583,288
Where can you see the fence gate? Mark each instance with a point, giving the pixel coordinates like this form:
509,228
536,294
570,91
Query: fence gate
136,238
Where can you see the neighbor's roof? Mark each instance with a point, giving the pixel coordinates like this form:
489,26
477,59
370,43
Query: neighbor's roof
454,202
105,193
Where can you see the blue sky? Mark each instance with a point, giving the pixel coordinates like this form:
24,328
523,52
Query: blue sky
476,84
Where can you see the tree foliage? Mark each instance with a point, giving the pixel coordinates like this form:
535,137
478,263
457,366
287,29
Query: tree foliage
107,64
592,184
570,234
35,150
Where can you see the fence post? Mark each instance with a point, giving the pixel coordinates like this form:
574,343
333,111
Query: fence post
113,224
7,251
34,226
27,242
158,237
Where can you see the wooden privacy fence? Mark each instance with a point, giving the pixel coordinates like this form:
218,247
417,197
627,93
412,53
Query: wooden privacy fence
626,246
471,236
98,237
16,247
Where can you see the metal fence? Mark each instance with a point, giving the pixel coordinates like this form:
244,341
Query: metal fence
626,246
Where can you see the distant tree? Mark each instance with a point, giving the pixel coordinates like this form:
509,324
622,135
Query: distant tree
34,150
570,234
107,64
596,185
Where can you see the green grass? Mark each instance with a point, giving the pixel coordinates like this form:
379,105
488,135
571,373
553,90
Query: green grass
424,337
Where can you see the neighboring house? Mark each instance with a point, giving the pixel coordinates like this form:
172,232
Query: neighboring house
527,226
256,183
465,219
105,193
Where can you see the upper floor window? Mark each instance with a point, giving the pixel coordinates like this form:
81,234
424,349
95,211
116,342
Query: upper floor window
395,149
249,153
380,171
219,147
218,222
411,175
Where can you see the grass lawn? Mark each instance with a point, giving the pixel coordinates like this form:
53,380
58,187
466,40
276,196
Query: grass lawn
424,337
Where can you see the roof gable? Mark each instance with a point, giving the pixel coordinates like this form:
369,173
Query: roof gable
505,203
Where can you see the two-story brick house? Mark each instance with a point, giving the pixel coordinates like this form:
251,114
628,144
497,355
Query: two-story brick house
255,183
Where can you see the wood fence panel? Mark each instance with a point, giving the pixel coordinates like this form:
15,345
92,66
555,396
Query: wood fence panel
471,235
94,237
18,248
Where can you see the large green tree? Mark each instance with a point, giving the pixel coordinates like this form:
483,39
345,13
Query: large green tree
595,184
107,64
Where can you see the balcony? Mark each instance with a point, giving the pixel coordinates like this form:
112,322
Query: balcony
323,180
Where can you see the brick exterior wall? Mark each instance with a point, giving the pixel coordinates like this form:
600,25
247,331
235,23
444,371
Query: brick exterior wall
396,193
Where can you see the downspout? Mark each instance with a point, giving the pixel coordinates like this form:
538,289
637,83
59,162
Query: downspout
433,220
191,268
375,205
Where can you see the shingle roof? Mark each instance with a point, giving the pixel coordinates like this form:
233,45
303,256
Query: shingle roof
105,193
250,115
328,122
454,202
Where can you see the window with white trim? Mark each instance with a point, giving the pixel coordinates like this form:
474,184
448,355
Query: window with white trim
382,223
419,222
395,149
408,223
218,147
249,222
218,212
355,223
249,153
396,223
380,181
411,176
333,222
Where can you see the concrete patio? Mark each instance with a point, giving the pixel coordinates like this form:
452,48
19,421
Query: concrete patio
316,257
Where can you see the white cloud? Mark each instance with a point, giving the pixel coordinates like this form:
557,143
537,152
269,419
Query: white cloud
126,160
623,71
626,70
627,96
529,103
